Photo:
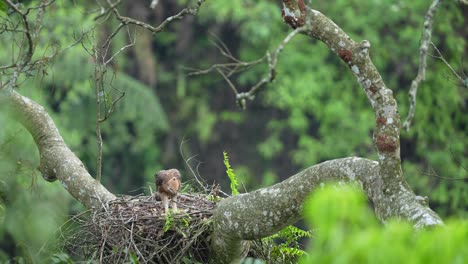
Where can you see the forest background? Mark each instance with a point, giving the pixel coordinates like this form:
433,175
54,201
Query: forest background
314,111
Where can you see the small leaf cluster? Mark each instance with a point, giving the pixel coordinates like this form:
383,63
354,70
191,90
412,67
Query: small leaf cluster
289,249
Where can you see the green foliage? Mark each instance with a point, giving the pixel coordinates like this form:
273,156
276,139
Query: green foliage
346,230
314,111
61,258
3,7
169,222
207,121
133,258
230,173
180,224
288,250
131,128
33,209
326,115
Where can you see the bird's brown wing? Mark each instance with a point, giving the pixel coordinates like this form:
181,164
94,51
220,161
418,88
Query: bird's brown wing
159,178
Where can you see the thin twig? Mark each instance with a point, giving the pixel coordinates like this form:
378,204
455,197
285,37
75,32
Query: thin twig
441,57
130,21
421,76
99,72
228,81
433,173
271,74
227,69
457,160
203,185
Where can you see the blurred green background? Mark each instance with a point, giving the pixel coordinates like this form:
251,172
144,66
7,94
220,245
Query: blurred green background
314,111
346,232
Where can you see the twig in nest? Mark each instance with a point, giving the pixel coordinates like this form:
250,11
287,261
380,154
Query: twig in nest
135,227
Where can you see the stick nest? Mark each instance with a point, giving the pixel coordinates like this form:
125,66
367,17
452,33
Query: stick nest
136,230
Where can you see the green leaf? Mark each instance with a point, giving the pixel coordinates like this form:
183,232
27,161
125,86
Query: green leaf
133,258
230,172
3,7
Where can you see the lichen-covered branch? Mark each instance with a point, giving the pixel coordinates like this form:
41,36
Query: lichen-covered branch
57,161
264,212
356,56
421,76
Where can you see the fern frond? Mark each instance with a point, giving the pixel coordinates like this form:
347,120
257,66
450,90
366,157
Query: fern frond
230,172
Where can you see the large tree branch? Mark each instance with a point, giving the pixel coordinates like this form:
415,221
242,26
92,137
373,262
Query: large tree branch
57,161
264,212
356,56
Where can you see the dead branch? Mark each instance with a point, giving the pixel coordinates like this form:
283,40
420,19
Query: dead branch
155,29
227,69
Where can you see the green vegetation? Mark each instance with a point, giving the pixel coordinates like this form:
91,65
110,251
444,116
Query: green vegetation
230,173
288,250
347,232
314,111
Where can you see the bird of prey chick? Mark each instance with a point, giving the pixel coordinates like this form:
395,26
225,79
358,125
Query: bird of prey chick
168,184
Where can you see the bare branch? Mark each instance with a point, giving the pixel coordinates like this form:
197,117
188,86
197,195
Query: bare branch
22,63
227,69
432,172
131,44
130,21
107,43
228,81
230,67
421,76
270,76
99,72
198,179
441,57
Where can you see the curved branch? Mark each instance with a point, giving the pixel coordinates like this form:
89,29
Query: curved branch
264,212
356,56
57,161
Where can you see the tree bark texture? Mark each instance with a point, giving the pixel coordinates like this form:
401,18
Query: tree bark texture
356,56
264,212
261,213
